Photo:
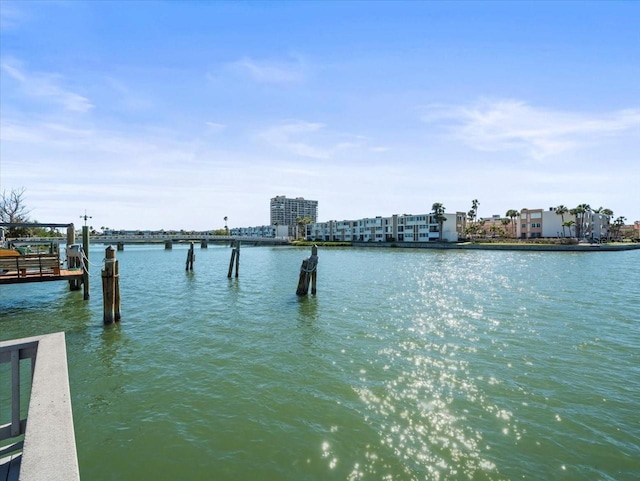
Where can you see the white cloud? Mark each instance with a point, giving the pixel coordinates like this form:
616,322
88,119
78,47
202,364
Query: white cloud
512,125
293,137
47,86
314,140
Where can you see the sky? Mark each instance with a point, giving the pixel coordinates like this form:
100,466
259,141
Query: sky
173,115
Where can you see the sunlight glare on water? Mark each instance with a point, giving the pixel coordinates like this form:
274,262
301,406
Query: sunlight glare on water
407,365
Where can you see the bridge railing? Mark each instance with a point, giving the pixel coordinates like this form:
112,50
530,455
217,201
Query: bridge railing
44,447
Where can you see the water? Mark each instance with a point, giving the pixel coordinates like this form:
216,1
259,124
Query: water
407,365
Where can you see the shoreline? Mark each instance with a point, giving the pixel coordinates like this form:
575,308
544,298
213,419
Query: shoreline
496,247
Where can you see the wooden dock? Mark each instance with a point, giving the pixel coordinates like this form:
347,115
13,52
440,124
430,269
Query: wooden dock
35,268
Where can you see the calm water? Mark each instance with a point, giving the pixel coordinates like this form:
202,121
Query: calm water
407,365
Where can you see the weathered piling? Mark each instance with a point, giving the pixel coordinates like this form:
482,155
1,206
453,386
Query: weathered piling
85,261
120,246
71,235
308,273
191,256
168,244
235,257
116,287
204,244
111,287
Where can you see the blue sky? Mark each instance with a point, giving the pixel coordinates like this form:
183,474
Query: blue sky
173,115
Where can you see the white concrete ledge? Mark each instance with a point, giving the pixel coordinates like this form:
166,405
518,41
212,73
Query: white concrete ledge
49,451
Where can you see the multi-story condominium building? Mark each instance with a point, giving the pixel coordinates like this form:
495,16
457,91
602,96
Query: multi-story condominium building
531,224
285,211
397,228
535,223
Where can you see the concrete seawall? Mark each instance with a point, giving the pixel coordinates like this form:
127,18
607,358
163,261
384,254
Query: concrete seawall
503,247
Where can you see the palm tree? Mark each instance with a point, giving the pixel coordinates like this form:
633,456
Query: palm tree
584,225
474,208
577,213
480,229
437,209
561,210
512,214
607,221
505,222
580,212
617,226
569,224
301,222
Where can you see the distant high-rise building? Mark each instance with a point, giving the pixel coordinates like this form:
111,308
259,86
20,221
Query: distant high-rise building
285,211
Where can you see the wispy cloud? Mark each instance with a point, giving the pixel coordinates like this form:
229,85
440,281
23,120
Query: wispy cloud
294,138
270,71
503,125
46,86
311,139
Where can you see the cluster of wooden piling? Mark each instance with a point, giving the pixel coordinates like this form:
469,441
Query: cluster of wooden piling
111,287
111,279
308,273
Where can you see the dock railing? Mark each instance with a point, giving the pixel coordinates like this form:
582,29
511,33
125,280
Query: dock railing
40,445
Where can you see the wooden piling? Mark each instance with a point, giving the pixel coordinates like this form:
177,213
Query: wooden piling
71,235
308,273
204,244
111,287
235,258
120,246
191,256
85,261
314,272
168,245
116,295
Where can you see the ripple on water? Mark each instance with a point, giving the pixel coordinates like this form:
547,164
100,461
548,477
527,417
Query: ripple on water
407,365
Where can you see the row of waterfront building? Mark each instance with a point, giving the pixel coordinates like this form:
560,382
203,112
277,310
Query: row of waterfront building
297,218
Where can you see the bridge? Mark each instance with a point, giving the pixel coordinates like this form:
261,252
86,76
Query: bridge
162,238
186,238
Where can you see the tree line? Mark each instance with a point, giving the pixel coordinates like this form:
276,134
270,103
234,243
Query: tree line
578,227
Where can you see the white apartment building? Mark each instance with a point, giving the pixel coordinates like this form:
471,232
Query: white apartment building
536,223
285,211
397,228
